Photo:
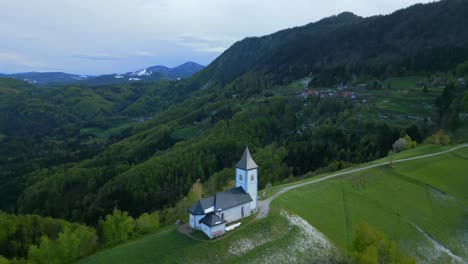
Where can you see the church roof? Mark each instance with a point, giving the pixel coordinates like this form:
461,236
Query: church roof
231,198
201,205
211,220
246,162
221,201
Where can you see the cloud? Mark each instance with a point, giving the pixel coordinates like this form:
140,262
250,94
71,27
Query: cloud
120,35
99,57
210,49
17,60
142,53
209,44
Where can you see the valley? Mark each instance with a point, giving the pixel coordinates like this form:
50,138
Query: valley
358,125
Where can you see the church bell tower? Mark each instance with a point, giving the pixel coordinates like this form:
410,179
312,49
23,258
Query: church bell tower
247,176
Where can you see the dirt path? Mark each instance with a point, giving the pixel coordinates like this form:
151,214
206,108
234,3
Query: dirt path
264,205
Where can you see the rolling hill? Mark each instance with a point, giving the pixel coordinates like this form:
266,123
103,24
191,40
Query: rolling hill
421,206
41,78
307,101
150,74
105,137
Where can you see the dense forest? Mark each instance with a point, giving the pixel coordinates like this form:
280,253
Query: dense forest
83,153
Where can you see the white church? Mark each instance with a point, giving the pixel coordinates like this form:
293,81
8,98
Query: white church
211,214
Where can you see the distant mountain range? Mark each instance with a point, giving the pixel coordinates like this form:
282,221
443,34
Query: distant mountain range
152,73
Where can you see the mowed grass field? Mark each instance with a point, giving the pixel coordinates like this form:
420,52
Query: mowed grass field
430,193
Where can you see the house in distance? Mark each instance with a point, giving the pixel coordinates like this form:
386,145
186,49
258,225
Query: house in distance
211,214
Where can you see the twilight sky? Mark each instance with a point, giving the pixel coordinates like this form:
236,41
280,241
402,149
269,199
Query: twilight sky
107,36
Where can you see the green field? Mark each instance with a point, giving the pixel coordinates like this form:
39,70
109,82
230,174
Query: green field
393,105
428,193
97,134
262,241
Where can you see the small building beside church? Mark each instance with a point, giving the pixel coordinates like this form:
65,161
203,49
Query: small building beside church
211,214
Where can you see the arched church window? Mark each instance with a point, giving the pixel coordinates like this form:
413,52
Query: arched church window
252,177
240,177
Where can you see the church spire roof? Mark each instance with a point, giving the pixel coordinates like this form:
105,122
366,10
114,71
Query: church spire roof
246,162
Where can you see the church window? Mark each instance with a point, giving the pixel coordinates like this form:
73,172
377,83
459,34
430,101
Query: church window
240,177
252,177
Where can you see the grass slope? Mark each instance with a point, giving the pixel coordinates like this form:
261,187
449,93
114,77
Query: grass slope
428,193
259,242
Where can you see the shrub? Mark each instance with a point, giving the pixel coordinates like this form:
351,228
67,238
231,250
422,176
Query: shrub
410,143
399,145
439,138
147,223
371,246
117,227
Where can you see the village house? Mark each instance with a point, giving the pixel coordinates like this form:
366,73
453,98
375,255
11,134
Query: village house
211,214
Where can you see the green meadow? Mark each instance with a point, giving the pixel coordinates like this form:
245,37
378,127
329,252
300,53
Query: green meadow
428,193
421,204
262,241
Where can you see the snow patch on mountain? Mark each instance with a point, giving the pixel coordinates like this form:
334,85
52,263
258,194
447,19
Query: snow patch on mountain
143,72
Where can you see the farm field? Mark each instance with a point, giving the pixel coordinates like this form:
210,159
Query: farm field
393,103
398,100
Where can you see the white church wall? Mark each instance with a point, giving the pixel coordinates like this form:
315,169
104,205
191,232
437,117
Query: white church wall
250,185
191,221
206,230
235,213
217,231
213,232
241,175
195,221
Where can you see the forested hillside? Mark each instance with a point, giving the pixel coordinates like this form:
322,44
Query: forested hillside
421,38
310,99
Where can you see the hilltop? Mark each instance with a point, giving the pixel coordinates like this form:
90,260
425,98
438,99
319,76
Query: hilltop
316,221
332,50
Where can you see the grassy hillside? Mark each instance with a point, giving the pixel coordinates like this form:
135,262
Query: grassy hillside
281,238
427,193
140,146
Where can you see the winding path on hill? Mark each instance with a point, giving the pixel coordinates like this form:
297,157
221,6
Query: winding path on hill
264,205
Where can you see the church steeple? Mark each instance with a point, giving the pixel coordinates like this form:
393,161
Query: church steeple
246,162
247,176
